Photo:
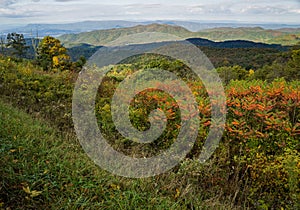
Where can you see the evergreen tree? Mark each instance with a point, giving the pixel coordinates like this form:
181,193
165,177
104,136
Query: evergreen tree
2,43
18,43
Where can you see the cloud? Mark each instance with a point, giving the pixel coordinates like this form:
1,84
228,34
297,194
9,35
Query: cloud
79,10
297,11
265,10
65,0
13,9
5,3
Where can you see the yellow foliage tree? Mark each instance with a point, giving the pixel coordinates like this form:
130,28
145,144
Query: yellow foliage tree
52,55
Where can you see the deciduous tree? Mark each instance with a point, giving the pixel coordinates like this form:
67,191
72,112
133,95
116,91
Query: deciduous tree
228,73
52,55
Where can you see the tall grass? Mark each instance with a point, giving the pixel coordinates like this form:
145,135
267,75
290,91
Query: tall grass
42,169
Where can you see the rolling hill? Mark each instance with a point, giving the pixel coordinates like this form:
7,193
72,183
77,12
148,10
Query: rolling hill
102,37
67,28
85,26
249,55
233,44
284,36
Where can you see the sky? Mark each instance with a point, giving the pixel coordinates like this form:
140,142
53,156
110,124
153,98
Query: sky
21,12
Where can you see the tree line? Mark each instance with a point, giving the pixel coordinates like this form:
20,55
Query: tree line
51,55
48,52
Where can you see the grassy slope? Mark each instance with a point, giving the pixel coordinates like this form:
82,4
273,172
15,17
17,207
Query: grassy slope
40,169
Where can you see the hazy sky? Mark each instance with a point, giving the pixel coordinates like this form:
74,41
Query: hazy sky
58,11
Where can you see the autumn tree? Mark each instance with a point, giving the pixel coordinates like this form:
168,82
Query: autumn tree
52,55
18,43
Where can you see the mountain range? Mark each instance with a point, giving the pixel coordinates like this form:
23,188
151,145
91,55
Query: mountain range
283,36
87,26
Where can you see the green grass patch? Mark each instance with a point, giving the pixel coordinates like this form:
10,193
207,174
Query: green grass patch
40,168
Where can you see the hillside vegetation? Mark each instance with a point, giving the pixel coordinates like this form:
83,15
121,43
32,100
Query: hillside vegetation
257,164
42,169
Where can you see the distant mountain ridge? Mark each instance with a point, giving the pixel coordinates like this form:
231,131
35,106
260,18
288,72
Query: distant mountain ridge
233,44
66,28
103,37
86,26
285,36
257,34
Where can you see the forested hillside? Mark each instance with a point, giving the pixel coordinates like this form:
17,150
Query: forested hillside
102,37
256,34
